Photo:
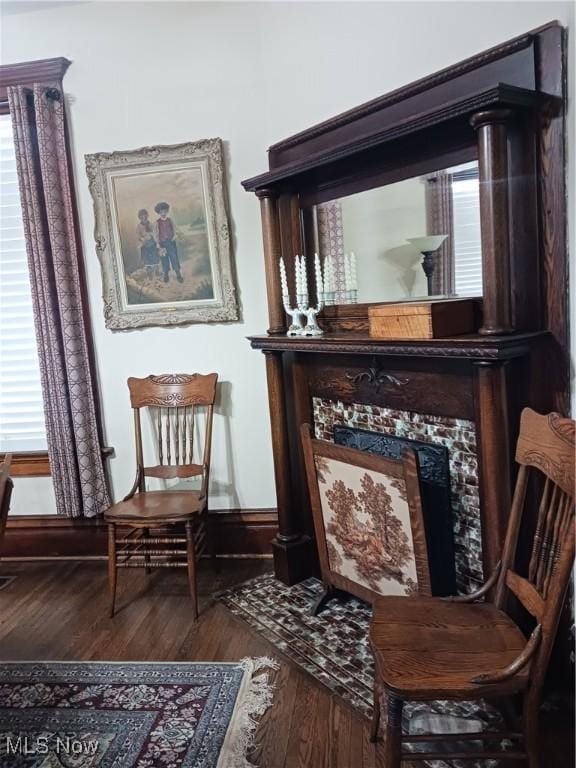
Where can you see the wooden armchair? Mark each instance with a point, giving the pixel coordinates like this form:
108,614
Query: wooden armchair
458,648
6,486
174,402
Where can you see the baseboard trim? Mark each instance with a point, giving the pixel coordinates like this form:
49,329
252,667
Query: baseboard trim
246,532
104,558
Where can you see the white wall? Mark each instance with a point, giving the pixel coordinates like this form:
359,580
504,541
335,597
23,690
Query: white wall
251,74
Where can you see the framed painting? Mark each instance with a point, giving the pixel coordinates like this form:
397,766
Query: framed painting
162,235
368,521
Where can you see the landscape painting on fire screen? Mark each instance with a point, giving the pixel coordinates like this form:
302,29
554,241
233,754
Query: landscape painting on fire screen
162,235
368,520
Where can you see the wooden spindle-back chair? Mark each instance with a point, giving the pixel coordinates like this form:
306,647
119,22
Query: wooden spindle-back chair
459,648
6,486
174,402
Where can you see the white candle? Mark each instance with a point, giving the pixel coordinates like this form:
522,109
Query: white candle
328,274
347,284
353,272
318,274
297,274
304,279
283,279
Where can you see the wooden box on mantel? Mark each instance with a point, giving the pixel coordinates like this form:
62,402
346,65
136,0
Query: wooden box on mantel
422,319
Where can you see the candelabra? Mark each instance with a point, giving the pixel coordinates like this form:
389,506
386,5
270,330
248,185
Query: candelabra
312,328
296,326
302,309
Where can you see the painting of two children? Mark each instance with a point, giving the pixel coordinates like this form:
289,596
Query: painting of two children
158,243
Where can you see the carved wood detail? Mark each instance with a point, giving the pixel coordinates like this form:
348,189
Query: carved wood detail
377,377
464,347
171,390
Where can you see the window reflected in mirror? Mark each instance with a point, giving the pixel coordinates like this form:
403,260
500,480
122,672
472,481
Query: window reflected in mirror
416,238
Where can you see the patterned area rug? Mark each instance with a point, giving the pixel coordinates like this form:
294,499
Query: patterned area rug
333,647
103,715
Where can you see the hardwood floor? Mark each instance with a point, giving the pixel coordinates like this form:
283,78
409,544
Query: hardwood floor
59,611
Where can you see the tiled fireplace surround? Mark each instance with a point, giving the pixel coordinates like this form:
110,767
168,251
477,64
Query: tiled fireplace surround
457,435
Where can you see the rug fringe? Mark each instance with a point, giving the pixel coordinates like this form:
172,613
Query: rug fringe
255,700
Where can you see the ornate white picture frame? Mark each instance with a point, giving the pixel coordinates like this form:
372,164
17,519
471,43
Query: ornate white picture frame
162,235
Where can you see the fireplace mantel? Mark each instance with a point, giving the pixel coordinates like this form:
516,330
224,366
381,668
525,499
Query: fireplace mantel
472,347
514,125
483,382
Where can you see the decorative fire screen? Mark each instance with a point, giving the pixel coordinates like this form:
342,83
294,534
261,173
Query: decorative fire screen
457,435
435,490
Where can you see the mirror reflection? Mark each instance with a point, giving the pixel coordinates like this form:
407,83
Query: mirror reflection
416,238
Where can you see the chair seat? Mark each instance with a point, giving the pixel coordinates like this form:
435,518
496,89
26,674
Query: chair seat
157,507
427,648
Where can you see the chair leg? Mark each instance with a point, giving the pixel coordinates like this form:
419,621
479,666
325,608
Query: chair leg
393,739
146,535
212,533
530,718
191,559
376,710
112,568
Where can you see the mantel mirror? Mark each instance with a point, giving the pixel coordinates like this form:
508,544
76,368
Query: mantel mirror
415,238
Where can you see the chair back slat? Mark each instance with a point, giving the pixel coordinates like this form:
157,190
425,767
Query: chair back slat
543,510
184,428
173,401
168,432
191,438
159,438
545,448
553,533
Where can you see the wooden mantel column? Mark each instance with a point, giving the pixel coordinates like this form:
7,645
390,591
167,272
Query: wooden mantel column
492,128
492,420
291,549
272,252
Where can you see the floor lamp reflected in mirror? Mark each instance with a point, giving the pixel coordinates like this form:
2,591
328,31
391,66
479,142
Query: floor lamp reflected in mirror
428,246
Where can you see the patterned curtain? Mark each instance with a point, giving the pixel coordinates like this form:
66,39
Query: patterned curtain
440,221
331,243
44,177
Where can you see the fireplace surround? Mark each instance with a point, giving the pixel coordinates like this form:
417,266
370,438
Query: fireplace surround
504,108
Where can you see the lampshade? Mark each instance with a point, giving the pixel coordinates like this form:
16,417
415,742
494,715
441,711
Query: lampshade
427,244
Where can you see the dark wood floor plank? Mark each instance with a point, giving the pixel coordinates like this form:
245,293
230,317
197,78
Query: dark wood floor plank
274,729
308,739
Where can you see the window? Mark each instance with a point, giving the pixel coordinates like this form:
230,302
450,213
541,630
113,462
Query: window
467,245
21,410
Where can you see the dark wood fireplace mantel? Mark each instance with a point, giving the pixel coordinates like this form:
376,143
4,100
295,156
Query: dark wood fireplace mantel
506,108
483,380
472,347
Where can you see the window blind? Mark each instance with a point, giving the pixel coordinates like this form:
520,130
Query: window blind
21,410
467,246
